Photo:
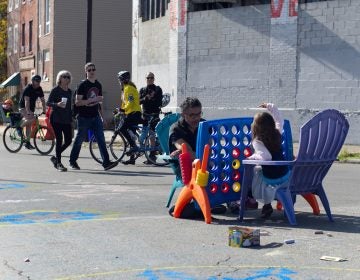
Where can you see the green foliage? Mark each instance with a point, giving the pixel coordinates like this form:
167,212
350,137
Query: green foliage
346,155
3,39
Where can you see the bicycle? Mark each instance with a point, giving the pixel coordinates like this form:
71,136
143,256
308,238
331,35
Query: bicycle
118,145
14,138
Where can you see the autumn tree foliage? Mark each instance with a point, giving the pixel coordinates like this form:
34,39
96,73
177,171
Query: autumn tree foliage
3,39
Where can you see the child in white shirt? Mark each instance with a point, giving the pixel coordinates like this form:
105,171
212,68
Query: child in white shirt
266,132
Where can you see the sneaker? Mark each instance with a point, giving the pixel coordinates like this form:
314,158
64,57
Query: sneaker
147,162
110,165
74,166
129,161
266,211
234,207
132,150
251,204
54,161
29,146
61,167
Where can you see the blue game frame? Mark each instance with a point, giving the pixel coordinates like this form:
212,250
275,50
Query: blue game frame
228,139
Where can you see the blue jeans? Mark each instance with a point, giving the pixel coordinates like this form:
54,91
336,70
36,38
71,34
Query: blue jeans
96,125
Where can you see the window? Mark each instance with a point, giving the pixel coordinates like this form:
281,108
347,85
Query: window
10,40
40,18
16,38
150,9
10,5
310,1
30,35
46,55
23,37
46,64
47,16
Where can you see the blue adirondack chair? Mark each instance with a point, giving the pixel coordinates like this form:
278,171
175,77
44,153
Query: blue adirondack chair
162,130
321,139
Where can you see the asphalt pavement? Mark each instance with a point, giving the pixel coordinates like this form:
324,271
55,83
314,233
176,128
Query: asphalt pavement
96,224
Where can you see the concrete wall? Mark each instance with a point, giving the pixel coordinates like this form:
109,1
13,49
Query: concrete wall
303,59
329,59
70,39
228,56
151,51
111,43
111,46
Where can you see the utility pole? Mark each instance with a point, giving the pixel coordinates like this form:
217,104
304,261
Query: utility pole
89,30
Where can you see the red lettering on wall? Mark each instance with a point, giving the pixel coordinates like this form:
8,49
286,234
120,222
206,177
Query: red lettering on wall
182,12
276,11
293,6
276,8
173,14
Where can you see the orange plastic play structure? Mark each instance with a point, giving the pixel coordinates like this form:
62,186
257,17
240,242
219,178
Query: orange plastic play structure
310,198
195,187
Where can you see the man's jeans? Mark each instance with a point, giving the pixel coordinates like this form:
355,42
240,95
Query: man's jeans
96,125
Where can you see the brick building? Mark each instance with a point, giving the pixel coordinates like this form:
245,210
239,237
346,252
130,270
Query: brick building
302,55
46,36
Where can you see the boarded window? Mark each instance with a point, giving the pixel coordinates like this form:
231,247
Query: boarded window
151,9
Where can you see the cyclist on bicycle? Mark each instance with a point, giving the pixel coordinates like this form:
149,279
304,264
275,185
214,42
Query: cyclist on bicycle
27,103
130,106
151,101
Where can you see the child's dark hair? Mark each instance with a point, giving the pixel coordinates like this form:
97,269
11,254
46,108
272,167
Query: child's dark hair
190,102
263,128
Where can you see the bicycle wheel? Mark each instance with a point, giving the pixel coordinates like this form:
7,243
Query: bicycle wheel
153,154
42,145
12,140
94,148
118,146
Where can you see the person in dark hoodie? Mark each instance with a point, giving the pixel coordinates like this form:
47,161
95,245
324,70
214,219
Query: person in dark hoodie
151,100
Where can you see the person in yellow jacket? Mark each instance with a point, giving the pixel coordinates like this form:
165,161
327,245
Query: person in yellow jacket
131,107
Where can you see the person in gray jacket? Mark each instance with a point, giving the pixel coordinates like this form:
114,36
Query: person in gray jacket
61,117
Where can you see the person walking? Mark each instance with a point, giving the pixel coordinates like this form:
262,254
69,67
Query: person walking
151,100
27,103
61,116
130,106
87,101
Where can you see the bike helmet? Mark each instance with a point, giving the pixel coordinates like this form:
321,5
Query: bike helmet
165,99
124,76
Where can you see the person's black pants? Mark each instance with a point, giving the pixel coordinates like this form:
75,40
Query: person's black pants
131,120
62,131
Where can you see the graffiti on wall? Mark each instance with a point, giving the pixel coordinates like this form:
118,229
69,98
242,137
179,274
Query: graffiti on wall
178,10
277,7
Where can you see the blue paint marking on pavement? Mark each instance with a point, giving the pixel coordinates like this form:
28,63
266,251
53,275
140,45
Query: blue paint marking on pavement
47,217
4,186
273,273
282,274
148,274
176,275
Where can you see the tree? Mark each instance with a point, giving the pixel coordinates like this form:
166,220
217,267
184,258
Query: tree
3,39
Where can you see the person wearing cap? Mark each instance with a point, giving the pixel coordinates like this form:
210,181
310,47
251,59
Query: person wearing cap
130,106
87,101
27,104
151,100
